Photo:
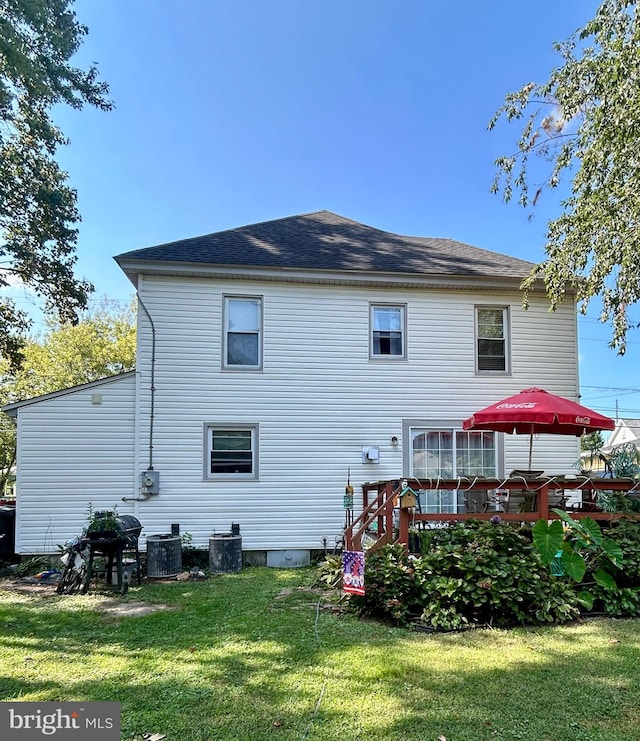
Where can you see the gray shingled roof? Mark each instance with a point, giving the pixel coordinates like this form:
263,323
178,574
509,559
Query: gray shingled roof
325,241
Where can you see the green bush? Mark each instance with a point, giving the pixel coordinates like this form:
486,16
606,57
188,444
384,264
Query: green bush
489,572
470,573
616,602
330,573
391,588
624,598
496,573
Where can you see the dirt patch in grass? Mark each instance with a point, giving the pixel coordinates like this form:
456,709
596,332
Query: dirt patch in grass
111,606
29,586
107,604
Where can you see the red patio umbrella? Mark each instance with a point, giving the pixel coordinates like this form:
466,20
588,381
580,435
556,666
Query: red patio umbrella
535,410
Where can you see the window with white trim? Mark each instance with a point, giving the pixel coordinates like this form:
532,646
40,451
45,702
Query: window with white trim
242,332
388,331
449,454
231,451
492,334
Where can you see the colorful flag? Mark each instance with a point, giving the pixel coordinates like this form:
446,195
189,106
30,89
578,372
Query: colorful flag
353,572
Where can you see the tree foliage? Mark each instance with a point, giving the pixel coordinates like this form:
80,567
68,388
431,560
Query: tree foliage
585,122
38,209
592,442
102,344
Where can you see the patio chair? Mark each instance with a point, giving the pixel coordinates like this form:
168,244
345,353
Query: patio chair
497,500
474,501
558,499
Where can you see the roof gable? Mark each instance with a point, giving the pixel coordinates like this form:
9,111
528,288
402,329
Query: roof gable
626,430
326,241
12,409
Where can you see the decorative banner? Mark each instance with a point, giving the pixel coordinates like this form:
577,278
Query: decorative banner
348,501
353,572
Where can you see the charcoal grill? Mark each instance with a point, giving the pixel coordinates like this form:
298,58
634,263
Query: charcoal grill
114,545
130,528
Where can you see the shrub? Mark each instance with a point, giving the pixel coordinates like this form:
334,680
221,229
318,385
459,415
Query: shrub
330,572
624,597
469,573
627,535
391,589
32,565
489,573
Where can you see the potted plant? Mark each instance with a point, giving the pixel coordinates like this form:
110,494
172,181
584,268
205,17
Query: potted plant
102,524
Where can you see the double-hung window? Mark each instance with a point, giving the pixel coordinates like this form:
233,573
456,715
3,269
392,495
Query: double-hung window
231,451
449,453
242,332
388,331
492,339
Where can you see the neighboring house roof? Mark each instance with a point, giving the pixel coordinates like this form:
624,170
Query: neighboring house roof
626,431
324,241
12,409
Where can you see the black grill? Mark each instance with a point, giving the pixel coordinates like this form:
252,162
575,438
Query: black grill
114,544
128,529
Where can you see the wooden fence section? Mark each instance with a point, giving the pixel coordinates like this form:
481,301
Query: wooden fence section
516,498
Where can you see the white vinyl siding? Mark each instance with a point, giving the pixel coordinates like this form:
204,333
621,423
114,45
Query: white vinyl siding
319,399
74,450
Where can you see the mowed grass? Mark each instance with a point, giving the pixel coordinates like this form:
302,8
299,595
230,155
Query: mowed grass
260,655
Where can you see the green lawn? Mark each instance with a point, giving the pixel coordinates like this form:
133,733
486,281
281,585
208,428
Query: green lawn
258,655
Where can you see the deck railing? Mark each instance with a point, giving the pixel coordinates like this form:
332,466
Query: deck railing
375,522
516,498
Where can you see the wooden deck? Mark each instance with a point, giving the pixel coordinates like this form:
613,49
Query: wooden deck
383,519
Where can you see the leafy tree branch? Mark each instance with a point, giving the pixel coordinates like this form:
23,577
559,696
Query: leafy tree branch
591,132
38,212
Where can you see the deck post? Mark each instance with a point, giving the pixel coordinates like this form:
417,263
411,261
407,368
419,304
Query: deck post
404,527
543,501
388,496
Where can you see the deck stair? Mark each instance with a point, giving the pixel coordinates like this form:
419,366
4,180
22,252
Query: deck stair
373,528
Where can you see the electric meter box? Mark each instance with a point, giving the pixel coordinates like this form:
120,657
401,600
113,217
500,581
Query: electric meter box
150,482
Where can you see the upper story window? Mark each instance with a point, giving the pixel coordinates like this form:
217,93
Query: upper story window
388,331
492,339
242,332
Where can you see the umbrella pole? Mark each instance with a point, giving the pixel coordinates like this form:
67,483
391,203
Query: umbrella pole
530,449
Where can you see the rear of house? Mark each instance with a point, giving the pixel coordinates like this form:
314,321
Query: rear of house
277,360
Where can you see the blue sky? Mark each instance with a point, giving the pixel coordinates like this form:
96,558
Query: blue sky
230,112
